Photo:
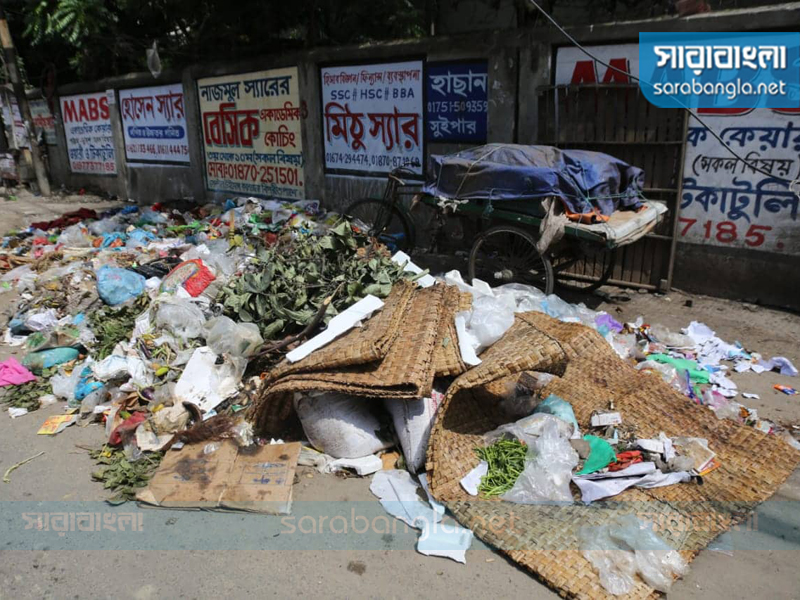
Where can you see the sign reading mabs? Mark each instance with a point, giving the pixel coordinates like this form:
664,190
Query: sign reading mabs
720,70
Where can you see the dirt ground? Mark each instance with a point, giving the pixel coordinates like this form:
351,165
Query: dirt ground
184,554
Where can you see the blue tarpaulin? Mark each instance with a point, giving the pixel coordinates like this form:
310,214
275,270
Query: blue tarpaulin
585,181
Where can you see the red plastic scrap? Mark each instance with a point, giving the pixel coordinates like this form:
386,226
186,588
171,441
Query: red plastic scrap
127,427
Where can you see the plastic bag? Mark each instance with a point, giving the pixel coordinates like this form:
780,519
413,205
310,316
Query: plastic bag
103,226
75,236
181,316
44,359
239,339
340,425
116,285
628,546
23,278
558,407
548,469
489,320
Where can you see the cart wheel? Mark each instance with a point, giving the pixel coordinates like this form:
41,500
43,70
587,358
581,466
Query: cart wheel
389,224
572,275
506,254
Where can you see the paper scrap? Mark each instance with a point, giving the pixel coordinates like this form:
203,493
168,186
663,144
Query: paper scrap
472,480
397,492
401,258
339,324
366,465
606,419
56,424
750,396
15,412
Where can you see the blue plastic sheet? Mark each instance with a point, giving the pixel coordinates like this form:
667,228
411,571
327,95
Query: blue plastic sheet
116,285
584,181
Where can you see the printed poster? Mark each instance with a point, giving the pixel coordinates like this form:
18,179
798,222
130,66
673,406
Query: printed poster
87,127
12,119
725,202
457,102
154,124
251,133
43,120
372,117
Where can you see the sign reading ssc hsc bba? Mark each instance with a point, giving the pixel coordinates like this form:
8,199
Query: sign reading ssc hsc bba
720,70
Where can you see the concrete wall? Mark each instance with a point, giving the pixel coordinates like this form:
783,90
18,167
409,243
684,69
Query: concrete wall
520,61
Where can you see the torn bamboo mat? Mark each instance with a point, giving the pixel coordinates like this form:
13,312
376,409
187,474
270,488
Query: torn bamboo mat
544,538
391,356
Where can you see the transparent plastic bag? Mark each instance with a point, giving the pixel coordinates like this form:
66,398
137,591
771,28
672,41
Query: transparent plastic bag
75,236
628,546
180,316
490,319
224,335
548,468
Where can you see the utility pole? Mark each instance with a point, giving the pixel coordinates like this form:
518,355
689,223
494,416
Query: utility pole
10,55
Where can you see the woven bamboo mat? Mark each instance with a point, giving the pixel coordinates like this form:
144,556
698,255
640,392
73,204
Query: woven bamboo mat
446,355
544,538
405,369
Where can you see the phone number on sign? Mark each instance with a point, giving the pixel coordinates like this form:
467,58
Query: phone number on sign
263,174
726,232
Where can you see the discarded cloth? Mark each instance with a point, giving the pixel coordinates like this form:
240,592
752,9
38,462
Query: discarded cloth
644,475
625,460
13,373
783,364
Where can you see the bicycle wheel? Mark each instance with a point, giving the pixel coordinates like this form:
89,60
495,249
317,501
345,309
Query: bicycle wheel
387,223
507,254
584,273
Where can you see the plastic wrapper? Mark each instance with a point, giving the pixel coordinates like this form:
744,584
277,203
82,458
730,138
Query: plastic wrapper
548,468
242,433
23,278
671,339
626,547
75,236
181,316
224,335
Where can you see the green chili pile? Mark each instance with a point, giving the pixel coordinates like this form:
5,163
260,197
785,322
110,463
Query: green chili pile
506,460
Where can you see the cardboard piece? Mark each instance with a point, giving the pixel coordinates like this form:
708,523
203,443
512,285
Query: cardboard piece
254,479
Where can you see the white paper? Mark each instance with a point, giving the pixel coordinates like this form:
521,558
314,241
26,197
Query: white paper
339,324
742,366
15,412
596,487
206,384
651,445
750,396
397,492
466,341
423,481
472,480
606,419
401,258
784,365
758,369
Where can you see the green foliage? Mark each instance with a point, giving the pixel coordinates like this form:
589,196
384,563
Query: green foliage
506,460
289,283
113,325
27,395
97,38
122,476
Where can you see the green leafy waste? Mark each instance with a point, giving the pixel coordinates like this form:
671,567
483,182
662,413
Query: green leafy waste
27,395
284,291
113,325
122,476
506,460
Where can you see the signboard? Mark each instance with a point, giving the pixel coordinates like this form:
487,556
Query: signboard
43,120
154,124
727,203
457,102
87,127
574,67
12,119
372,117
251,133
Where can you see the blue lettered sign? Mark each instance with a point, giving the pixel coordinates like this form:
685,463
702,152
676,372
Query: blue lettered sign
457,102
720,70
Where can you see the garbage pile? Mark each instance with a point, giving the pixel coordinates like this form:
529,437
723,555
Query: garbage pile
217,328
145,320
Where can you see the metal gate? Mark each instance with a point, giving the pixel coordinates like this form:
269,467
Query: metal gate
618,120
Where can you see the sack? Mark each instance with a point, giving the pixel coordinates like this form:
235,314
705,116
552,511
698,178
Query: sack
340,425
412,421
116,285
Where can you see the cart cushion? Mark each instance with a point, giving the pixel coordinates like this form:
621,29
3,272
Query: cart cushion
627,226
